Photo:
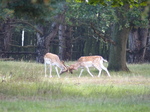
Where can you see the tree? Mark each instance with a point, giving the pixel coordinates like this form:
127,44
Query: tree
19,12
5,29
120,30
138,45
36,14
86,20
120,34
5,37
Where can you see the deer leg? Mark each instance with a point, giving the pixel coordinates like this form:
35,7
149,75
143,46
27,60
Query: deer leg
104,68
81,72
50,70
99,72
98,67
45,69
57,72
89,71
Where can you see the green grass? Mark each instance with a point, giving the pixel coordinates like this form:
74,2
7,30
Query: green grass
29,91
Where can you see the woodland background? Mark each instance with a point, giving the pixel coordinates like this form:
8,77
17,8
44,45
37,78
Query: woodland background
72,29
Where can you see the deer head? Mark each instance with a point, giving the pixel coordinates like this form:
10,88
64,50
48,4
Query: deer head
65,68
71,68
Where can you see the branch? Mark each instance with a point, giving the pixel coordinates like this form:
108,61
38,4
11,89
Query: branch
26,22
52,34
101,35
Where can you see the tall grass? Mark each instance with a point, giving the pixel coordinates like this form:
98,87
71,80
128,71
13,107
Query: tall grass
28,90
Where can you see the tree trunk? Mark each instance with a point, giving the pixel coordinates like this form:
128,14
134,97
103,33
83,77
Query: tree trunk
43,41
137,45
68,50
147,54
41,49
51,35
1,39
62,45
5,37
144,36
64,42
117,56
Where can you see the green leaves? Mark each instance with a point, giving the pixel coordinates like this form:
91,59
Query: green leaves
115,3
37,10
28,8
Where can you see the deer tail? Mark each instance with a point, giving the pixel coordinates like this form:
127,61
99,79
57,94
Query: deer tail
105,60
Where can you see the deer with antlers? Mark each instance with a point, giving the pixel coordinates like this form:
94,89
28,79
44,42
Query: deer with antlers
89,61
53,60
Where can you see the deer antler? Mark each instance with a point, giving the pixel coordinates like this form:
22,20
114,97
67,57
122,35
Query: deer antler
65,66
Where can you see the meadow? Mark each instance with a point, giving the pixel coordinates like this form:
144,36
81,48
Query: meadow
27,90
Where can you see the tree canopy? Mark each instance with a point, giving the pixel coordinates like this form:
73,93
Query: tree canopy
115,3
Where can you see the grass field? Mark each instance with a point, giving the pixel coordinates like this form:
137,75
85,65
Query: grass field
29,91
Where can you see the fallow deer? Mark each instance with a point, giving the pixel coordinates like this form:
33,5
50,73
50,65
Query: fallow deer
89,61
53,60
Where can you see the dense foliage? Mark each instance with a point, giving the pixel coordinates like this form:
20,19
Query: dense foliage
86,25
